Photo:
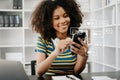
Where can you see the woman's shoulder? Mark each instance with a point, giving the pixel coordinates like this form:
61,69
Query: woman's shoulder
39,38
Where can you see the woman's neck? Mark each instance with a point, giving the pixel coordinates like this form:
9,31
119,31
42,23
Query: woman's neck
62,36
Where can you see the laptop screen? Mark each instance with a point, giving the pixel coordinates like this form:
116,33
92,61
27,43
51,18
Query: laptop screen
12,70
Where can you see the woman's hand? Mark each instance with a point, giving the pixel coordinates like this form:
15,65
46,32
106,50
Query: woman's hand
62,46
79,49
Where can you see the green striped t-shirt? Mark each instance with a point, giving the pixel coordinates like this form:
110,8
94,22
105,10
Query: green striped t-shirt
62,64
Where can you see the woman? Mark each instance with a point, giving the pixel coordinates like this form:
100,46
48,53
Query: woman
53,19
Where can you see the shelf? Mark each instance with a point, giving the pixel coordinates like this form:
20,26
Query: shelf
28,10
118,24
112,25
118,2
111,46
100,63
6,4
31,4
84,5
97,36
84,12
110,16
11,37
10,10
98,57
110,5
30,37
98,10
96,5
27,19
92,52
111,52
96,45
12,53
30,54
17,17
27,63
109,36
106,68
118,13
10,28
30,45
114,67
105,40
27,28
10,46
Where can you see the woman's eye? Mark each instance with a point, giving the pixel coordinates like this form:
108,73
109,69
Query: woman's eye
56,18
65,15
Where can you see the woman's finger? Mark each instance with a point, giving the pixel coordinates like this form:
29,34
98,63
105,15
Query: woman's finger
76,50
77,45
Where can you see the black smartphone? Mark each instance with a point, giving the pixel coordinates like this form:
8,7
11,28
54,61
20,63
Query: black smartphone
81,35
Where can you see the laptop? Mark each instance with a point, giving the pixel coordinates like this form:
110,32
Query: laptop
12,70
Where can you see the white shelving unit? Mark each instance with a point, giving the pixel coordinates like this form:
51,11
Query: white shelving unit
105,40
20,39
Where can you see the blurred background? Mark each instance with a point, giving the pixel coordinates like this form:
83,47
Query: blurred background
101,22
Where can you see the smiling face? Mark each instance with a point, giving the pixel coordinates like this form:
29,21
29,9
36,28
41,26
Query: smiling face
61,20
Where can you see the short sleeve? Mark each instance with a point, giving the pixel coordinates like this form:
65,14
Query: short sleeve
40,45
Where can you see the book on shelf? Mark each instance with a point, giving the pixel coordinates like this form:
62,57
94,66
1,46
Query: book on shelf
1,21
11,20
6,20
17,20
19,2
15,4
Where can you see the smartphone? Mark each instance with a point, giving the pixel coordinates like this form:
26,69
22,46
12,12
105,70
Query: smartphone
81,35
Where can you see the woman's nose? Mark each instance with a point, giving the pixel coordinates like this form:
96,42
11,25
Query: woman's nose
62,20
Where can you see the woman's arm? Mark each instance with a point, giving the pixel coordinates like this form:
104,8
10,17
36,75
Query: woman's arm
44,63
80,64
81,51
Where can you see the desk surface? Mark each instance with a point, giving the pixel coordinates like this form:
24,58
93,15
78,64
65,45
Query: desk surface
87,76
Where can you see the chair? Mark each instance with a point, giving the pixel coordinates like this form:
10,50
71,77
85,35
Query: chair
33,70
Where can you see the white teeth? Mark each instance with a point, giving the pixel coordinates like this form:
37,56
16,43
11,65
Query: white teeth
63,24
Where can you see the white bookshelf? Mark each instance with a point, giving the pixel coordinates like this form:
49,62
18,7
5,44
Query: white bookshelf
105,35
20,39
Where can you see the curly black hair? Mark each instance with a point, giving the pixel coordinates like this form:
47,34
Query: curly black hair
41,19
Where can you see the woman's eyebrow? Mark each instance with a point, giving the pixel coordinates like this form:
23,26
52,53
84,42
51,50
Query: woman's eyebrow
58,14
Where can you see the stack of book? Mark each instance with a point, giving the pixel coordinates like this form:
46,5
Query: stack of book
9,21
17,4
